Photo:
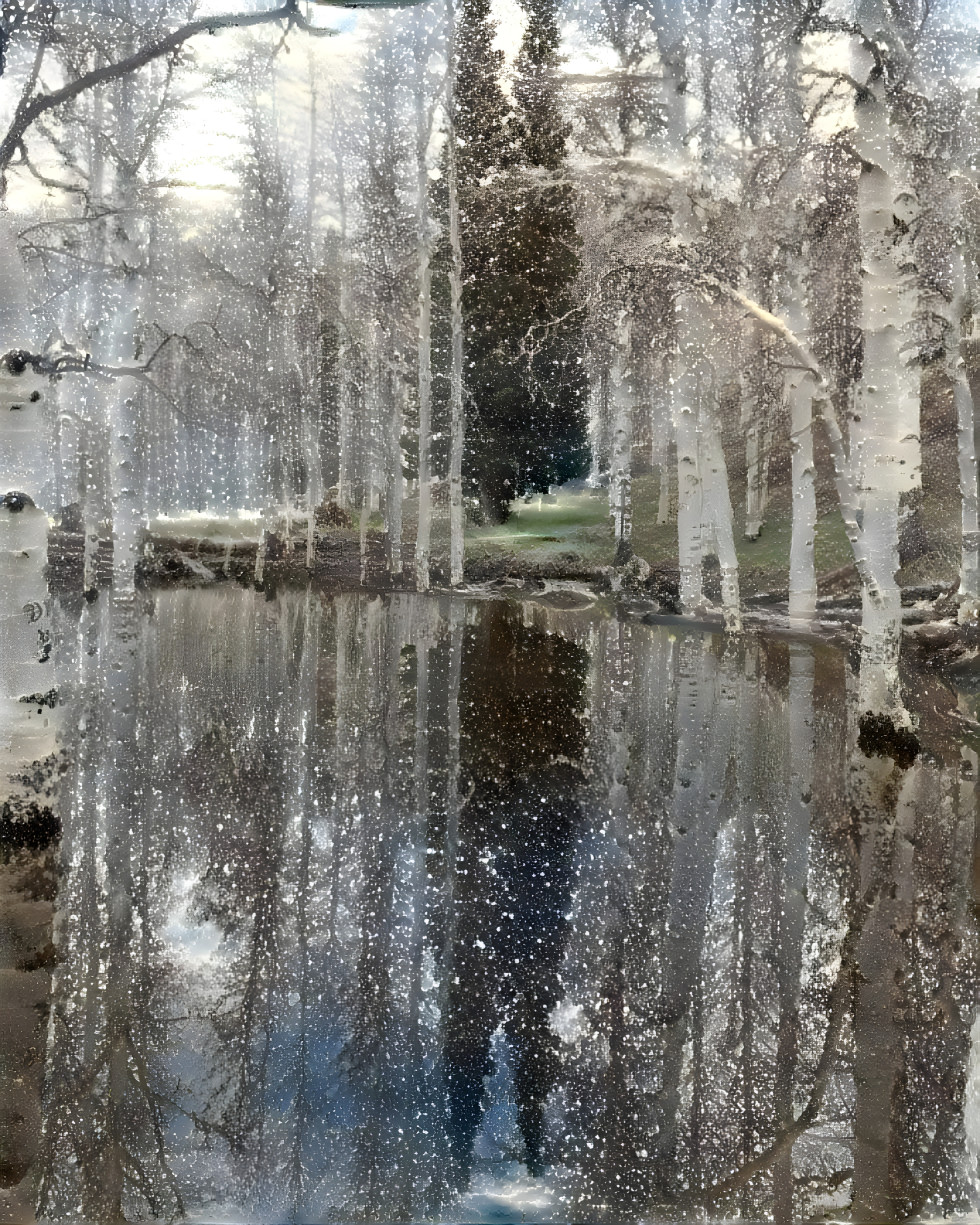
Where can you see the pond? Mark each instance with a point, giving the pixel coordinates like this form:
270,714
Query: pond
411,908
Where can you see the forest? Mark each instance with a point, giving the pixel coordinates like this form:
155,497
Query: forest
713,264
489,610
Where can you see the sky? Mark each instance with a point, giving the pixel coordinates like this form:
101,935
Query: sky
201,146
206,159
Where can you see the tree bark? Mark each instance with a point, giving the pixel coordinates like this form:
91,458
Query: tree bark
457,420
423,238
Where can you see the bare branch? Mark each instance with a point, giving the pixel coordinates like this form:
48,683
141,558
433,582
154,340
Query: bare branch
840,998
91,219
31,109
54,184
862,92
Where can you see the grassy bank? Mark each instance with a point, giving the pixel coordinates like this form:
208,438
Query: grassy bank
577,526
570,532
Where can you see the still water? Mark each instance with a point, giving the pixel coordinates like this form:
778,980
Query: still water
417,908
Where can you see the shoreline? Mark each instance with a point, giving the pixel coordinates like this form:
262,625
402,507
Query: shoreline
932,637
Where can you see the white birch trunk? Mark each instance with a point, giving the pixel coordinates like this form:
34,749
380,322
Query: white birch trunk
25,735
365,516
346,408
709,696
456,413
620,482
123,251
756,489
717,509
660,434
799,389
423,538
969,592
792,919
758,441
395,476
127,518
24,447
347,355
802,568
885,454
686,394
314,480
311,418
704,507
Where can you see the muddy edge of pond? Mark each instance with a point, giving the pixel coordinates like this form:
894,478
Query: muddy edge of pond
933,637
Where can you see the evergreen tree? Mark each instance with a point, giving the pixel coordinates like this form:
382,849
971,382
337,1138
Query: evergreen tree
483,118
546,418
525,383
543,130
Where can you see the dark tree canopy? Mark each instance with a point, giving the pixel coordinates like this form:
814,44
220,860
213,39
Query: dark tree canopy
524,377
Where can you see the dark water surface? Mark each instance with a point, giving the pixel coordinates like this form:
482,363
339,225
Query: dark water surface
411,908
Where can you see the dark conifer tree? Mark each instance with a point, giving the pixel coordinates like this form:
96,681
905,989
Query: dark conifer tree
483,115
525,384
543,130
545,411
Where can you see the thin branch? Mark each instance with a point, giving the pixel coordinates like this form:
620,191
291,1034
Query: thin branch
53,365
55,184
42,249
841,78
91,219
154,121
31,110
152,1098
65,148
839,1008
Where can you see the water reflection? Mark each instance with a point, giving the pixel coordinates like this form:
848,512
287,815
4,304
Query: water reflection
405,908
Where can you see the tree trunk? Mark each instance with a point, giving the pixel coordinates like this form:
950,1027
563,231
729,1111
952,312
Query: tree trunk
123,251
687,391
707,704
457,420
791,921
887,807
717,503
620,482
394,473
424,534
25,643
800,390
966,423
885,457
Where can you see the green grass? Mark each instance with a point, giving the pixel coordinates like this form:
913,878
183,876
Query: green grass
579,523
540,531
763,563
